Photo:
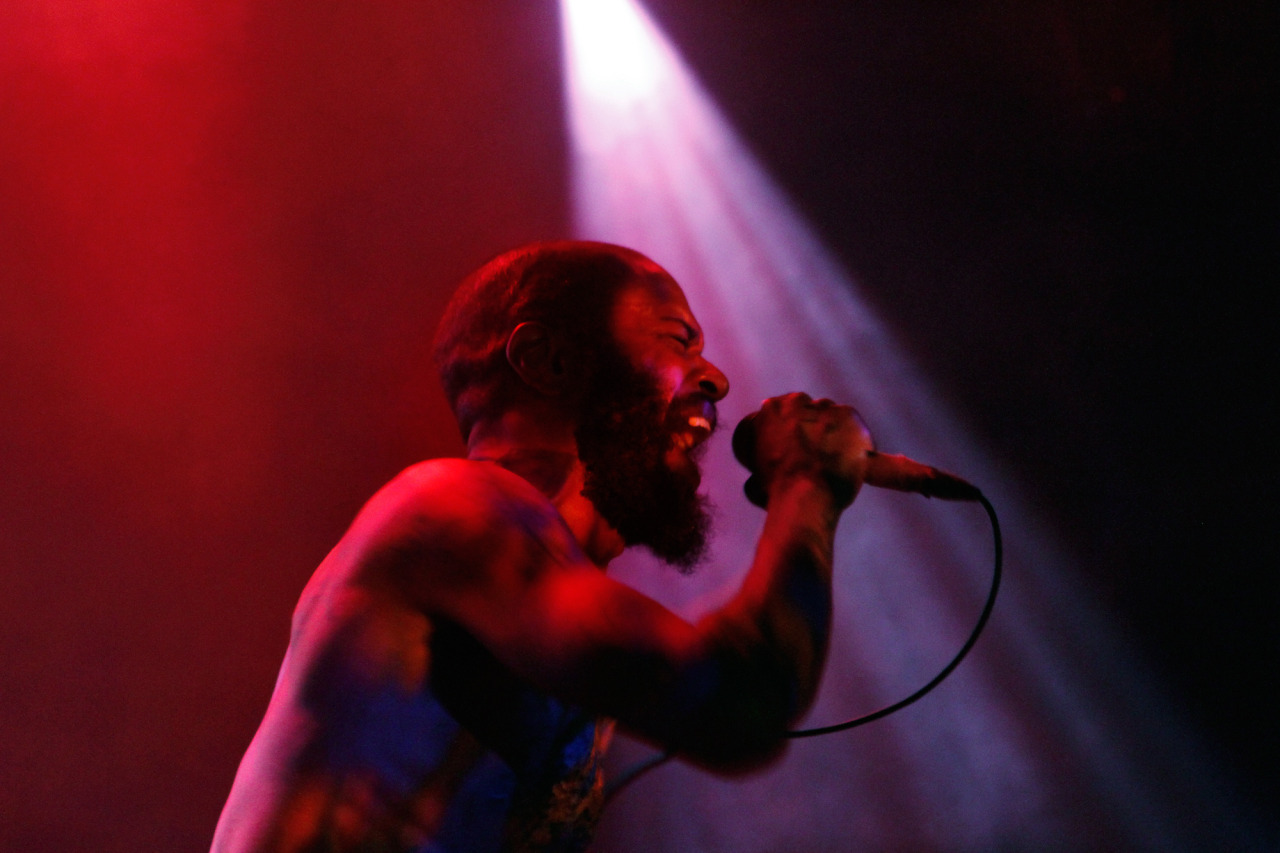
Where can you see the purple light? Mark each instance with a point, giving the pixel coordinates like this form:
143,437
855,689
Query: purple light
1050,735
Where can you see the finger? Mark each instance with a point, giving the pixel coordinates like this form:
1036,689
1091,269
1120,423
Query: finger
791,403
782,399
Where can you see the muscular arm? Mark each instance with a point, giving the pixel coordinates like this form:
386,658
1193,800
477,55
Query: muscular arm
723,691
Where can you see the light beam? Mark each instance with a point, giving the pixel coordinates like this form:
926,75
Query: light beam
618,60
1051,733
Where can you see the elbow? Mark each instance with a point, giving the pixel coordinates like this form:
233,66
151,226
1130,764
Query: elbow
740,705
739,758
745,726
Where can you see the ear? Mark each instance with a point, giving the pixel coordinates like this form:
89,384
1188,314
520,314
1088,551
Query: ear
540,357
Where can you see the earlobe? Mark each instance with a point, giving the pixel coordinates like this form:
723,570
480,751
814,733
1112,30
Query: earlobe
538,357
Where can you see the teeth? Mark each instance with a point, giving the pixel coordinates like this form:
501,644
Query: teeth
699,428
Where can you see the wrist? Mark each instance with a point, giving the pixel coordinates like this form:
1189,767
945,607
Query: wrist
810,492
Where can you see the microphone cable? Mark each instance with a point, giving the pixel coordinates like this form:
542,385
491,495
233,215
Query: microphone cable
985,615
638,770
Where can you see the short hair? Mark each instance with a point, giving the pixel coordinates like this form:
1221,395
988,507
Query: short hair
571,286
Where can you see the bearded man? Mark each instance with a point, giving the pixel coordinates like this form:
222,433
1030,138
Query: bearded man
458,660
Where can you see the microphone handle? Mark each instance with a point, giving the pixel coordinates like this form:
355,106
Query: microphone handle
884,470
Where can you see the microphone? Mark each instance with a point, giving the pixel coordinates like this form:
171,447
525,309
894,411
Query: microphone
884,470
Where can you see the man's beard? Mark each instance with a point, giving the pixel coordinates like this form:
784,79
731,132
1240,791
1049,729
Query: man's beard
623,441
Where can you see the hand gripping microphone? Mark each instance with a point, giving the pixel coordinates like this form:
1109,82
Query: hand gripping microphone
884,470
891,471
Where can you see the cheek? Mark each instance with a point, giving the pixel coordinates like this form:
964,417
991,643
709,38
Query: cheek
668,378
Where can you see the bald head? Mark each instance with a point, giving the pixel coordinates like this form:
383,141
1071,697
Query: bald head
568,286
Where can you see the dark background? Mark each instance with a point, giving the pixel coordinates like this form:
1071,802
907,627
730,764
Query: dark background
227,232
1068,212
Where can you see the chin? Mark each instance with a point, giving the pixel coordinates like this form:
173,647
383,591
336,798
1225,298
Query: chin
684,466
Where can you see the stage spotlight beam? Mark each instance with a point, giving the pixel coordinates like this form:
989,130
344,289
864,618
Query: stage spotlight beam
1052,729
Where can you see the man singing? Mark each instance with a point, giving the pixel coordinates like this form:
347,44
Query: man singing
458,660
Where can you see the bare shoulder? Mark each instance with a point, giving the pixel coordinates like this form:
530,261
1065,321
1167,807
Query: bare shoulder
453,502
447,538
450,524
466,489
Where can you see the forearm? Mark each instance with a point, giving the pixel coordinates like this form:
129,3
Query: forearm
787,593
771,639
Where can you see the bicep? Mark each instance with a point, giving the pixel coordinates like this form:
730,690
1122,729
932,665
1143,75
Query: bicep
588,637
707,690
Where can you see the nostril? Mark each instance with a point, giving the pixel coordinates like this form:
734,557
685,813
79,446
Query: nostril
713,383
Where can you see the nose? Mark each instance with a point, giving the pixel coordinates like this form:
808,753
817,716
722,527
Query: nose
713,383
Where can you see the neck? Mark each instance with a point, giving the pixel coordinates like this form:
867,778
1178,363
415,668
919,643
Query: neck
548,460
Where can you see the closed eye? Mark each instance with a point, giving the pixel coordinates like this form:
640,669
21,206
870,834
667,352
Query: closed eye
687,336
